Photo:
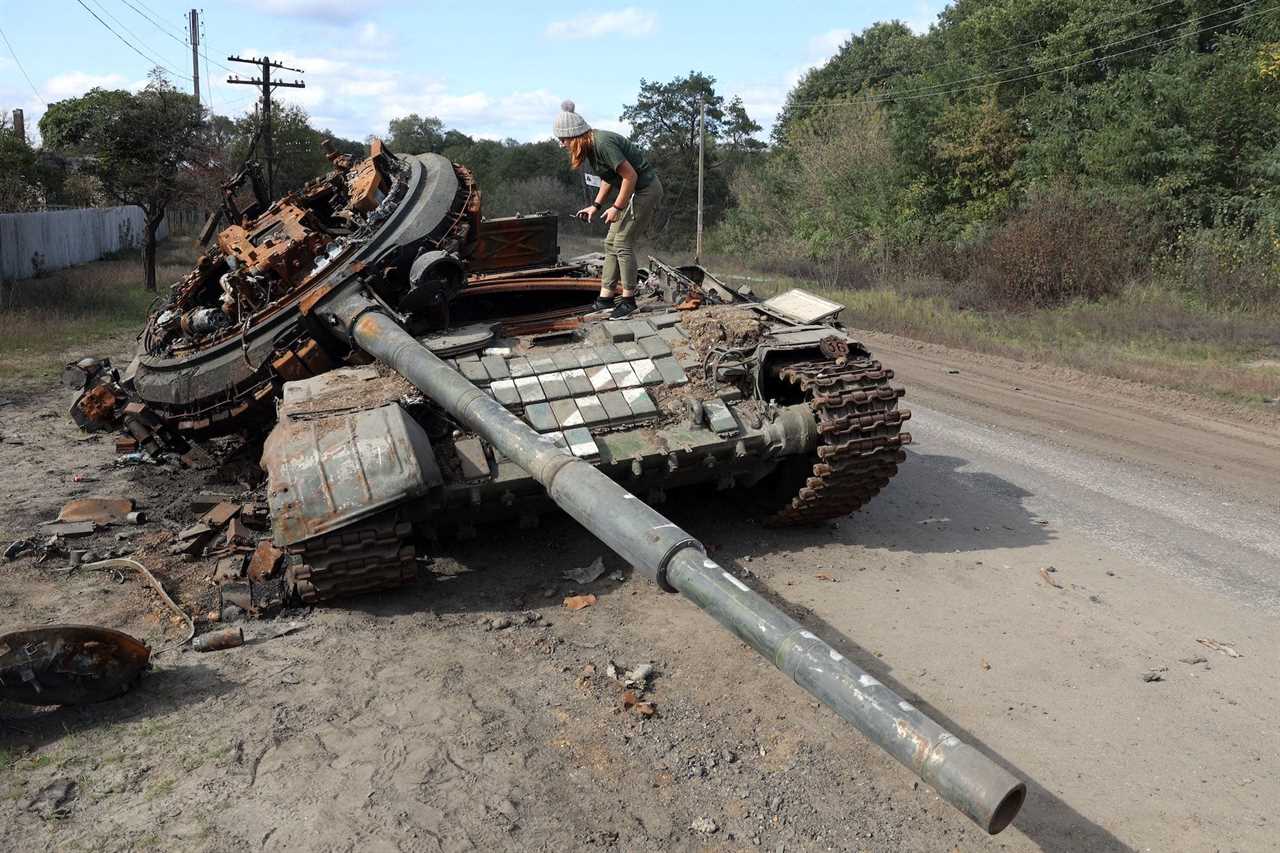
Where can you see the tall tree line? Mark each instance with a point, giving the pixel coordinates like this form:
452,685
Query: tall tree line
1161,115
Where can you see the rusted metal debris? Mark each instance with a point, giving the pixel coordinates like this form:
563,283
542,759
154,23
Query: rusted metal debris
69,664
97,510
214,641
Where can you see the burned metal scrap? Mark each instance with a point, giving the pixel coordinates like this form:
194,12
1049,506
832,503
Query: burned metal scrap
69,664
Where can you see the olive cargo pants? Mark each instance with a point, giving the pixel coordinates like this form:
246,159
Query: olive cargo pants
620,242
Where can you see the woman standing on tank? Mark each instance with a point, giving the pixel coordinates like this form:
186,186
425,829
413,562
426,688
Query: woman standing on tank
619,163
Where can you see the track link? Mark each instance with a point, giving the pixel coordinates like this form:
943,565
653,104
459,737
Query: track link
366,557
859,438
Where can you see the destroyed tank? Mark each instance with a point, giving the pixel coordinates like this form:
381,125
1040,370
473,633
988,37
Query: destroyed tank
424,371
705,383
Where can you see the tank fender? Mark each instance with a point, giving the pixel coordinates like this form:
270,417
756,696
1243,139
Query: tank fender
327,471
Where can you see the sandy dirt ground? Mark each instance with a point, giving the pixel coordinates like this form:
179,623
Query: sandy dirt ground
1053,541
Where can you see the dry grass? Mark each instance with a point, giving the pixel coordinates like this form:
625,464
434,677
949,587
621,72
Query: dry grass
77,311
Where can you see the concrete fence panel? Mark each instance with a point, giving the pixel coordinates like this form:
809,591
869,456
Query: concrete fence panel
32,243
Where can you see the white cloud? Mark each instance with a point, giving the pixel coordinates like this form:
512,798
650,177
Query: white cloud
72,84
373,37
828,43
321,10
631,21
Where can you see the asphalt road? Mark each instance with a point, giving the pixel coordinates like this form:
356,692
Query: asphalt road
1074,535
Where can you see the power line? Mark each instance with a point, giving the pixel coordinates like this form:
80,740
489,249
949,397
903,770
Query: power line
12,53
916,95
171,34
1107,46
152,52
129,44
208,78
1036,41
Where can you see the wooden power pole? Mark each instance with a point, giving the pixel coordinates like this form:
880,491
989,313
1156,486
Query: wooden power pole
702,135
265,82
193,22
19,126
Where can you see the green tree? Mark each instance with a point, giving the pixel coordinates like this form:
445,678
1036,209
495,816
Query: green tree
137,145
664,121
415,134
21,184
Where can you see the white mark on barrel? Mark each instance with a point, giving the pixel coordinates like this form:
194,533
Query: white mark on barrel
867,681
709,564
906,706
731,579
808,636
836,656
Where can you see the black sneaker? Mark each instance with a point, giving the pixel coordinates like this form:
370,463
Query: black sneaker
602,303
625,308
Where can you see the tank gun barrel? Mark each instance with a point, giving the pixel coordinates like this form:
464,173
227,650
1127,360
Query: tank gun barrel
975,784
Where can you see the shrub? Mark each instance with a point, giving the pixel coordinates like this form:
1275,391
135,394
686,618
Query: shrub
1058,247
1228,267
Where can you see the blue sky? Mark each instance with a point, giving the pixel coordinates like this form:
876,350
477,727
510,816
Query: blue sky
494,69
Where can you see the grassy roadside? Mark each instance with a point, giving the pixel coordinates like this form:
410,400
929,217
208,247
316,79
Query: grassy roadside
1144,334
74,311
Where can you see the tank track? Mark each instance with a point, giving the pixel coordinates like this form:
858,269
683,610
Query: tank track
366,557
859,438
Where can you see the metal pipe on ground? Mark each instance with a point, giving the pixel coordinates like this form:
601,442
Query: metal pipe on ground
979,787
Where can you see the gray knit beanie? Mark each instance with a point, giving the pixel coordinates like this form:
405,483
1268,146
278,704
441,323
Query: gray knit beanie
569,124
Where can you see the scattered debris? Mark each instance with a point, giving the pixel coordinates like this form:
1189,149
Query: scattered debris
1225,648
1193,660
54,800
135,566
265,561
223,638
220,514
823,576
631,702
705,825
97,510
1044,575
1155,674
639,677
587,574
69,664
286,630
986,665
577,602
70,529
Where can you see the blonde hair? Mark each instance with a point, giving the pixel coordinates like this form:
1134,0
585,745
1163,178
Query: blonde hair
579,147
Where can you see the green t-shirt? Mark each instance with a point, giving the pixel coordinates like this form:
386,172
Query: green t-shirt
609,152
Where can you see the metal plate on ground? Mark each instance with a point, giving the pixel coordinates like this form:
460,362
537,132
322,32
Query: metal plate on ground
803,306
69,664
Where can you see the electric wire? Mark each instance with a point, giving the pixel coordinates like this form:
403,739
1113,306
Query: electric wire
26,76
1035,41
1107,46
182,41
130,44
152,52
208,77
912,95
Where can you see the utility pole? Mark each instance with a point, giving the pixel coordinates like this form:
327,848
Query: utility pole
702,135
265,65
193,21
19,127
